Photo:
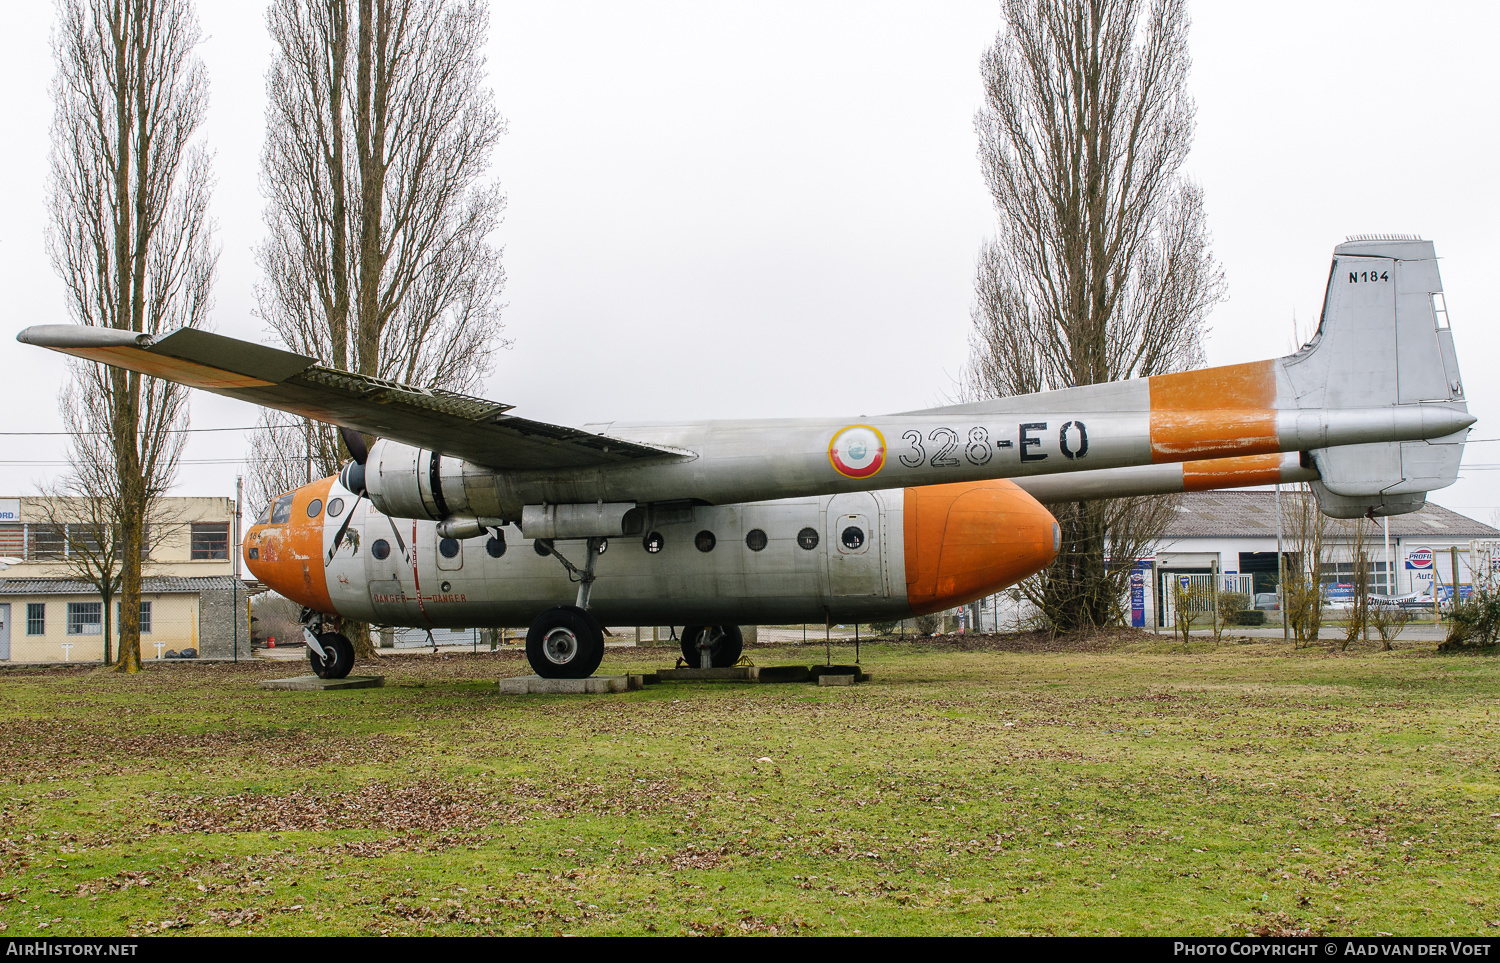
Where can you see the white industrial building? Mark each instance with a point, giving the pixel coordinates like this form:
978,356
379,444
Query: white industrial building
1233,535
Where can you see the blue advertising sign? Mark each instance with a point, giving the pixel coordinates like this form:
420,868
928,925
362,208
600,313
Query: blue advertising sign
1138,597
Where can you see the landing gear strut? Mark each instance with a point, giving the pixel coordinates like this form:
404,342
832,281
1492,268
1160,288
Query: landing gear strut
566,642
712,646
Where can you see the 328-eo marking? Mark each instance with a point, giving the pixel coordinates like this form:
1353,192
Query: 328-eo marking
1072,442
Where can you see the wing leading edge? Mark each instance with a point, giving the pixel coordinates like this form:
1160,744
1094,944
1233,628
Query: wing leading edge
474,429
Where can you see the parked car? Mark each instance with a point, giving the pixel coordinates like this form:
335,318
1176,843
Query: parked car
1266,602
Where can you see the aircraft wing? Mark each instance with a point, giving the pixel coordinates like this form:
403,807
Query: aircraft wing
470,428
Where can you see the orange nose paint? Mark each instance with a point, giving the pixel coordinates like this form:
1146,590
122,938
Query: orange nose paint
969,540
290,556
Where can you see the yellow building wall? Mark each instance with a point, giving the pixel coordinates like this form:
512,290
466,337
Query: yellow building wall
174,623
172,538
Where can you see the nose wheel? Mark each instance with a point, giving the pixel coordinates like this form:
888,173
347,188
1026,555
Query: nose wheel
337,658
564,643
721,644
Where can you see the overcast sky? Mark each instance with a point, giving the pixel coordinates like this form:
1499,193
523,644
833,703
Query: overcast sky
768,209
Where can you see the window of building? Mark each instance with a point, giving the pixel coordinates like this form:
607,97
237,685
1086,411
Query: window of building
88,541
48,541
13,540
1342,573
36,618
85,618
210,541
145,617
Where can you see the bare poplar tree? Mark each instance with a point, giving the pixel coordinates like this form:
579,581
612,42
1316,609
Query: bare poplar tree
132,241
84,508
379,132
1101,268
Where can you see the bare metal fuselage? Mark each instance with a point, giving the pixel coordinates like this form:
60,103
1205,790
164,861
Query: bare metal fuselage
862,556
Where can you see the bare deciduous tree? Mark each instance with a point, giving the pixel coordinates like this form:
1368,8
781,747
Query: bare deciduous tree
1309,544
1357,619
84,508
1101,268
379,132
132,241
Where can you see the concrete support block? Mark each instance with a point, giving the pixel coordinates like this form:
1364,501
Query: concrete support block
311,683
594,685
734,673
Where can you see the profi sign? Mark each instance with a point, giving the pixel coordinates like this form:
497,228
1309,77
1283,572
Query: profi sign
1419,558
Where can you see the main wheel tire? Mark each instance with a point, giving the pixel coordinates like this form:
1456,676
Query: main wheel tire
340,656
564,643
725,642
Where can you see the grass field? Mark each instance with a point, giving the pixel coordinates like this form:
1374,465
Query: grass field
1134,790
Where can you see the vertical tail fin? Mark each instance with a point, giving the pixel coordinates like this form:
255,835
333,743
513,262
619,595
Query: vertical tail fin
1383,340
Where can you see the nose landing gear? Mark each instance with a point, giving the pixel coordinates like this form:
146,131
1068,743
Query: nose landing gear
336,657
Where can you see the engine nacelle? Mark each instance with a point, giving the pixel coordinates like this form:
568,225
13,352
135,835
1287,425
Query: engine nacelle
408,482
601,519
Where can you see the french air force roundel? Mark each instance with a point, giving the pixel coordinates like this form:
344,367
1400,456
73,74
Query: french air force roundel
857,451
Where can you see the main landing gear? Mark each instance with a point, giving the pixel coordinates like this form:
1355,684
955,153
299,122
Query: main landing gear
712,646
566,642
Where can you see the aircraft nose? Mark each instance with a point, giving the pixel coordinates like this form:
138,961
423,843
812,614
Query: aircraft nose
288,556
968,540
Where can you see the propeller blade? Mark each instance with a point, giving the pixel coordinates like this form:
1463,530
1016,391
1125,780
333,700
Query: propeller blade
355,442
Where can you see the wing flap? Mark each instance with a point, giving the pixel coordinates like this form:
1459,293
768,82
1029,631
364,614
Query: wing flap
474,429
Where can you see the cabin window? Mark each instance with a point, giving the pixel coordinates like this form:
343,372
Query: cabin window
448,547
755,540
653,543
808,538
495,547
542,547
314,507
335,507
853,538
705,541
381,549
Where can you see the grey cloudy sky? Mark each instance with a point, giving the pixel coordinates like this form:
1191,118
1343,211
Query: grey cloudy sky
741,210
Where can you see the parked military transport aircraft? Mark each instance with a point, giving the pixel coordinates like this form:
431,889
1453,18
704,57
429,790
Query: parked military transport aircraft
461,514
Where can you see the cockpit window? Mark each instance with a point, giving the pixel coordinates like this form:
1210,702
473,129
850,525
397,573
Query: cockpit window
281,512
265,516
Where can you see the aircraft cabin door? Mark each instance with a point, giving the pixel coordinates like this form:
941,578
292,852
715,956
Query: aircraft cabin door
854,545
